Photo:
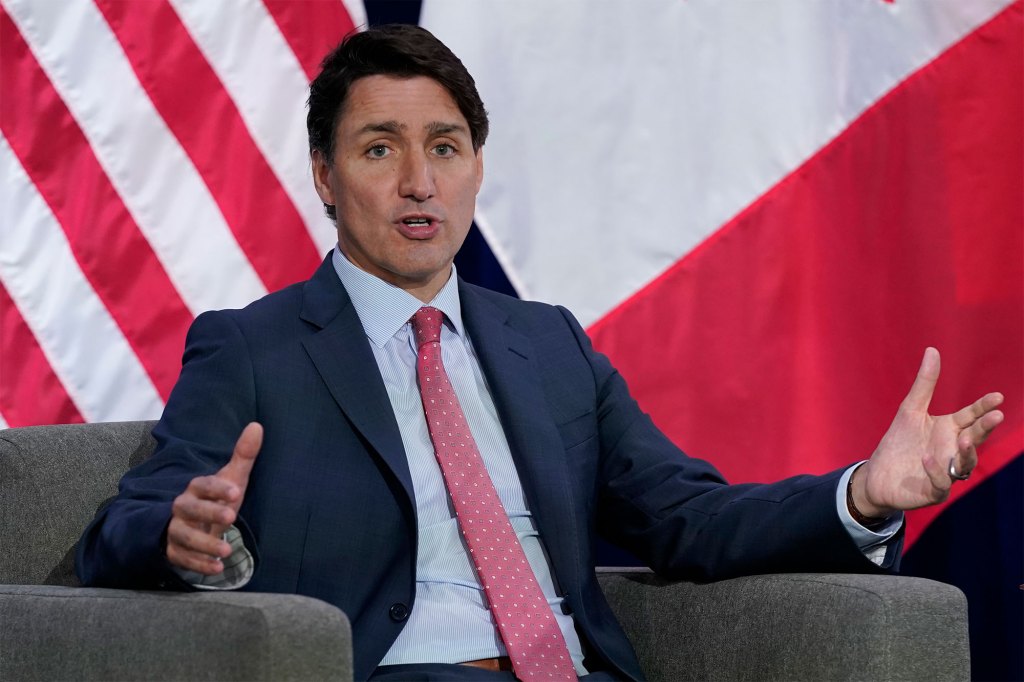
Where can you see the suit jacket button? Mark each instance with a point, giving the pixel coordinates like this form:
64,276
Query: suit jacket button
398,612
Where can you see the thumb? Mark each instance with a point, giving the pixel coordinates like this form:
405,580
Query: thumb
247,446
920,395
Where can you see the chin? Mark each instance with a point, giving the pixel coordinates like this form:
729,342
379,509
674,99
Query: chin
425,267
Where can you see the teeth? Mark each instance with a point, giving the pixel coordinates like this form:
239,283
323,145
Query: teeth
417,221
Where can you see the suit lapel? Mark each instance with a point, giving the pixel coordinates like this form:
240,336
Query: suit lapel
341,353
507,360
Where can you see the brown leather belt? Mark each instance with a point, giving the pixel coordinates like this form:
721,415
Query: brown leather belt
502,663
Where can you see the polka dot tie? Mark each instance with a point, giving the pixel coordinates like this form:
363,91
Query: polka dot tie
525,621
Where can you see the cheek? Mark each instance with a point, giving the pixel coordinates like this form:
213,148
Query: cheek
364,187
466,197
362,208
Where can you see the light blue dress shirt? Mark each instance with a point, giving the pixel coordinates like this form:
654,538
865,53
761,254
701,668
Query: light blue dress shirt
450,621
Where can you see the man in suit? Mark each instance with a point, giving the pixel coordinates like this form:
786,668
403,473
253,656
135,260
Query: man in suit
340,485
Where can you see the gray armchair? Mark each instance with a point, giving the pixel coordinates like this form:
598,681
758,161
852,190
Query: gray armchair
785,627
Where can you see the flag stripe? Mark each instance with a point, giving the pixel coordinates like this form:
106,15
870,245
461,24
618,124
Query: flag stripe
312,29
30,393
215,139
825,291
116,259
70,325
275,117
148,168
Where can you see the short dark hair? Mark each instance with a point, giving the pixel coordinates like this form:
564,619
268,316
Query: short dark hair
401,50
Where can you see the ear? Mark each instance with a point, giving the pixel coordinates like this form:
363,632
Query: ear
479,168
322,177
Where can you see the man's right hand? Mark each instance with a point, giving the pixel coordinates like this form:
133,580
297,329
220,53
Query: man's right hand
201,514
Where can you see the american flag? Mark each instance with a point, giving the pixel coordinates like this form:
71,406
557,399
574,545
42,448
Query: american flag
762,211
154,166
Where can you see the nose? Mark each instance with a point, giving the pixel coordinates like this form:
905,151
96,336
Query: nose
417,179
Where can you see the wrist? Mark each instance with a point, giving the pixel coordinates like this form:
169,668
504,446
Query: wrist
863,512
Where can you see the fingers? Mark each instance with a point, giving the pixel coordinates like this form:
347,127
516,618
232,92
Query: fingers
978,432
208,506
183,536
198,518
203,513
196,547
920,395
214,488
192,560
979,408
963,462
237,470
966,458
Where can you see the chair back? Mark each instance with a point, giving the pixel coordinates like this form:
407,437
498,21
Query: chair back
53,479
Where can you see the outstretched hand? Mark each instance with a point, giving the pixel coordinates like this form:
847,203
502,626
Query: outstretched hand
201,514
921,456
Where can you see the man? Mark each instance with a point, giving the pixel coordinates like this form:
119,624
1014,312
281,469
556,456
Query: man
414,463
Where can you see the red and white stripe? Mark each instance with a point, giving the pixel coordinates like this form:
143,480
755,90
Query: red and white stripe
154,166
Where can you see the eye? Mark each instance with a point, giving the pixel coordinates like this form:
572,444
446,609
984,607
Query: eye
444,149
378,151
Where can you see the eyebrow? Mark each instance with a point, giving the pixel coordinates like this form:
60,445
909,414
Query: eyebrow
394,127
382,127
439,128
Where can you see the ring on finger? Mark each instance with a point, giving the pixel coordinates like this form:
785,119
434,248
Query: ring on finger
953,473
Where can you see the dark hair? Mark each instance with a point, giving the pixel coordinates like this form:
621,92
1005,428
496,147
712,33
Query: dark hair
400,50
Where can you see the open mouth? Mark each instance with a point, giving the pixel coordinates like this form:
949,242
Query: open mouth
418,227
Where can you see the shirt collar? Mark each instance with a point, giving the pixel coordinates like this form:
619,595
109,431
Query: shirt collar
383,308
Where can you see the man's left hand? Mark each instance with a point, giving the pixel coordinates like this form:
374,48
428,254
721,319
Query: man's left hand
915,463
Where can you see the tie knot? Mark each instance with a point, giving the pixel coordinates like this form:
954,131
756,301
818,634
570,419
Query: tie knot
426,324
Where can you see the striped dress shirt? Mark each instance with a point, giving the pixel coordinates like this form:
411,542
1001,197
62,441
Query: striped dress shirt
450,621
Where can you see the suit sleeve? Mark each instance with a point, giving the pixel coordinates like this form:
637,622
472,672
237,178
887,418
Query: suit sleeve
209,406
679,514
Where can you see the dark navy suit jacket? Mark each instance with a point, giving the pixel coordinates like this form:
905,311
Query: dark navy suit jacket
329,511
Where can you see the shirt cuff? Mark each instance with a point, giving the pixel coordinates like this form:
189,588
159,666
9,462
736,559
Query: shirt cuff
871,542
238,567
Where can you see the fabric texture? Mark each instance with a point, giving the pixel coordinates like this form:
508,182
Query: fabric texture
62,633
794,627
52,481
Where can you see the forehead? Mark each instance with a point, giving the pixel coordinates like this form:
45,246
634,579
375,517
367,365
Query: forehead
413,103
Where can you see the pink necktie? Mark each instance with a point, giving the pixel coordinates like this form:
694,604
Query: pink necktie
524,618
